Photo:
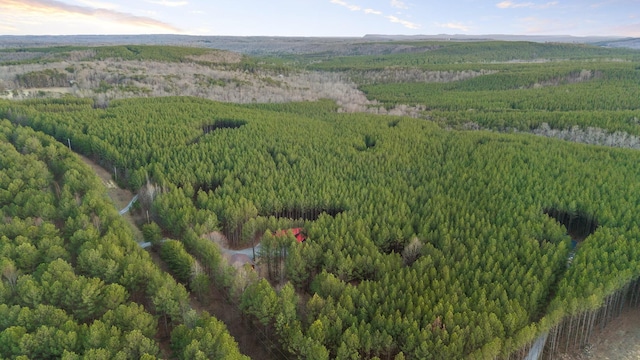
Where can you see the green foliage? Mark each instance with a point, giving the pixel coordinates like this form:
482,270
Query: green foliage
523,86
199,284
130,317
69,268
207,339
495,93
260,301
37,55
42,79
484,52
147,52
178,259
152,233
122,52
490,263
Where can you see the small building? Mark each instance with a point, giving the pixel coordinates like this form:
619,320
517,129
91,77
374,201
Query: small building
298,233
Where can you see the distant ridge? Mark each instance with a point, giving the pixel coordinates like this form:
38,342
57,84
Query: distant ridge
503,37
265,45
632,43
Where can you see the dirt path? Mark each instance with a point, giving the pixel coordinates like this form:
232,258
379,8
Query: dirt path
120,197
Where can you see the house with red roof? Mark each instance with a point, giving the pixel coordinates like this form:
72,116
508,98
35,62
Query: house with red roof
298,233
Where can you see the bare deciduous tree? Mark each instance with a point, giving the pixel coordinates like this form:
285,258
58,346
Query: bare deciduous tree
412,251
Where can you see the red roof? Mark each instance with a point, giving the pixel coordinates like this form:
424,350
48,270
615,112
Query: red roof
297,233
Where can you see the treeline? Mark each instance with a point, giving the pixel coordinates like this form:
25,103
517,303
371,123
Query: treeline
42,79
503,85
73,282
448,53
490,270
122,52
598,95
147,52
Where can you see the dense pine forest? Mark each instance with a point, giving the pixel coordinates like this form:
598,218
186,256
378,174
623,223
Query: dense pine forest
74,282
451,231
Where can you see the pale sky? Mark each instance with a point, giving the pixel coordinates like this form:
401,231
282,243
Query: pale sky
320,17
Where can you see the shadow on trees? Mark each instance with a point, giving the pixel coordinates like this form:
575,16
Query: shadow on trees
307,214
204,187
368,143
293,216
223,124
218,125
579,224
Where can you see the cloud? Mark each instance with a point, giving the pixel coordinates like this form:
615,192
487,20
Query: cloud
603,3
8,27
47,11
507,4
454,26
168,3
98,4
371,11
347,5
398,4
546,6
393,19
405,23
511,5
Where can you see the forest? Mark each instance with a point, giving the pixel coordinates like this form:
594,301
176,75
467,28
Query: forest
74,282
457,232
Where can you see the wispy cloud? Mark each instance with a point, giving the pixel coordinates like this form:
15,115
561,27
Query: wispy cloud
98,4
511,5
398,4
454,26
50,9
8,27
507,4
347,5
405,23
371,11
394,19
168,3
603,3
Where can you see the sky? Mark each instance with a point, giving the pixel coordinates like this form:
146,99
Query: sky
321,17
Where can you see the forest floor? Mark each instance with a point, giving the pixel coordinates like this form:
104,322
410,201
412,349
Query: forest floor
619,340
216,303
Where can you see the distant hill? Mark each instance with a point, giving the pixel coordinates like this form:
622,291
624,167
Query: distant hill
502,37
632,43
268,45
